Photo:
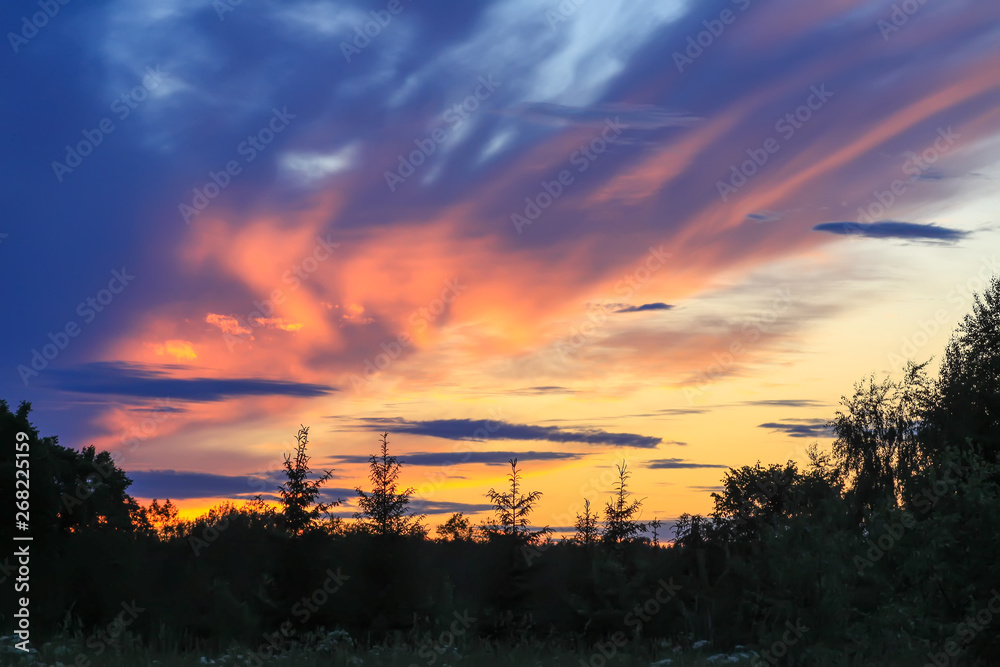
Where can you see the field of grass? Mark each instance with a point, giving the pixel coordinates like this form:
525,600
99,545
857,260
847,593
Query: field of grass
338,650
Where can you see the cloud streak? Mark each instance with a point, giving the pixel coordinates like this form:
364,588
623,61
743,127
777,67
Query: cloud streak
463,429
122,379
894,230
800,428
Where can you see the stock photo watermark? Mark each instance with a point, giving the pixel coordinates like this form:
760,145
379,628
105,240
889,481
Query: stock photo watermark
703,40
365,33
786,126
581,158
899,17
915,166
751,332
88,310
30,25
427,146
419,320
122,107
249,149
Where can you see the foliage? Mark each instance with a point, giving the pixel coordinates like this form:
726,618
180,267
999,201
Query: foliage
621,514
457,528
298,493
511,510
587,530
877,551
384,509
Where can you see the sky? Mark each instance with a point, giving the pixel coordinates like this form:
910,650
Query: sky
668,233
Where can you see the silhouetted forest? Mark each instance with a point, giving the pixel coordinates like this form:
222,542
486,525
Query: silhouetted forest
881,549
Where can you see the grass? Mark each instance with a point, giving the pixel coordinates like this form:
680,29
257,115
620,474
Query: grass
337,649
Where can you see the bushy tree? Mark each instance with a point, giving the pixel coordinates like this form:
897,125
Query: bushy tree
70,490
457,528
967,410
878,433
298,493
163,518
384,510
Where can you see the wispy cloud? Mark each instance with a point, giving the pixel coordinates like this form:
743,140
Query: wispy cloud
643,308
457,458
800,428
633,116
894,230
122,379
463,429
180,485
671,464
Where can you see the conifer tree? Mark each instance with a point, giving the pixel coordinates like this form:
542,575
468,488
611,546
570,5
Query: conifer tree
621,522
511,510
384,510
587,532
300,511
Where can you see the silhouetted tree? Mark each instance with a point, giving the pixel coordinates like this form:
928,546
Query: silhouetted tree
511,510
655,526
878,435
621,522
587,531
457,528
163,518
967,410
384,509
70,489
300,511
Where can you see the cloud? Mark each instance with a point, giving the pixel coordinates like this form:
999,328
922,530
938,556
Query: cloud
644,307
800,428
673,464
632,116
893,230
122,379
444,507
544,390
180,484
465,429
786,403
457,458
310,166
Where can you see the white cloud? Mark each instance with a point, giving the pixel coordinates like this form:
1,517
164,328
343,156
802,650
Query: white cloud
310,167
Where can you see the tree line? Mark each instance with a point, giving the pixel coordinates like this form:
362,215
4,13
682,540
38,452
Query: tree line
880,549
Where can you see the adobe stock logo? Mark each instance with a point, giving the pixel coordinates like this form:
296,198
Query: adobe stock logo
87,310
38,20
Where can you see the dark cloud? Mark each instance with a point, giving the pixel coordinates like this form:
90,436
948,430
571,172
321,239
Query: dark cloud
444,507
893,230
680,463
644,307
456,458
466,429
122,379
786,403
179,485
800,428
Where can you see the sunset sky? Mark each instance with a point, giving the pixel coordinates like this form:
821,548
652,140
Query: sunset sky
672,232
